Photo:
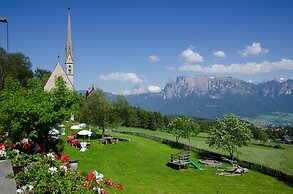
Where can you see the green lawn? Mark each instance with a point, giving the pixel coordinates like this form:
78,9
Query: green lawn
281,159
140,166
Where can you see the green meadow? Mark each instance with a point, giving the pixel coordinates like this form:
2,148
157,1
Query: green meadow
281,159
140,165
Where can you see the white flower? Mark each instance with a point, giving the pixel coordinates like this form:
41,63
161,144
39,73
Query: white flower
24,187
52,170
30,187
99,176
51,155
63,167
19,191
2,153
16,151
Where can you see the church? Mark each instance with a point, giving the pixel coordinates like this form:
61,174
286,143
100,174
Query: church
67,73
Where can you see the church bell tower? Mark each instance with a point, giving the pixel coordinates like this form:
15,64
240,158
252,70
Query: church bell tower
69,61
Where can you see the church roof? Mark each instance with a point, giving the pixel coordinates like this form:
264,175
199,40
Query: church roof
58,71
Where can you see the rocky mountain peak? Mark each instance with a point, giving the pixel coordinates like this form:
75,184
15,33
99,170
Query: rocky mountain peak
204,84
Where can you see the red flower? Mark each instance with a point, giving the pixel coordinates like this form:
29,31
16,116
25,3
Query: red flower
26,145
2,145
91,176
38,148
44,154
57,157
120,187
12,145
103,191
64,158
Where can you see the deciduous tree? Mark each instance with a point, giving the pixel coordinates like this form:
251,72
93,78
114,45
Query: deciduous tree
183,127
15,65
98,110
230,134
33,112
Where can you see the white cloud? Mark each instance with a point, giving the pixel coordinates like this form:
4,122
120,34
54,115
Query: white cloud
219,54
253,49
153,58
154,89
190,56
122,77
247,68
170,68
141,89
135,90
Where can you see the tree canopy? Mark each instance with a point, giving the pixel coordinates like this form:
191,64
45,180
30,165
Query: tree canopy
32,112
230,134
183,127
15,65
97,110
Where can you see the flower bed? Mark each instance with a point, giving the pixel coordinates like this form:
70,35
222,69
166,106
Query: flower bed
50,173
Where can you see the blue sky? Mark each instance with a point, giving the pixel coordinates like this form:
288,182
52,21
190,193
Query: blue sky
130,45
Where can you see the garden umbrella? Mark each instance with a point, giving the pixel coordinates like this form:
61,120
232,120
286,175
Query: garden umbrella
85,132
75,127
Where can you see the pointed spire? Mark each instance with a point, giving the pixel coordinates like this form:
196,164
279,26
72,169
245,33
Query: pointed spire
69,48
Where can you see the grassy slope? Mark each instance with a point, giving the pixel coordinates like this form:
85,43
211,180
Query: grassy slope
281,159
140,166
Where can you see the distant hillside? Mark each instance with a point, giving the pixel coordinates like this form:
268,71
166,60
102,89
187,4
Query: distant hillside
211,97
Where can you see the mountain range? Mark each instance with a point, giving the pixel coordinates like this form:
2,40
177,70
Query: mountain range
211,97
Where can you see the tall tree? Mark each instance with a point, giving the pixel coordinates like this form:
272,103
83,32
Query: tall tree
15,65
124,110
99,110
230,134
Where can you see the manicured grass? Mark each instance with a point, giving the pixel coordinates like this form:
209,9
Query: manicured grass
281,159
140,166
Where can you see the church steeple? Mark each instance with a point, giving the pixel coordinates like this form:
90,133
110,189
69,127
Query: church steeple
69,50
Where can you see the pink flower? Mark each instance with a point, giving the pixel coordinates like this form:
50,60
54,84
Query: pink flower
102,191
38,148
86,184
109,182
57,157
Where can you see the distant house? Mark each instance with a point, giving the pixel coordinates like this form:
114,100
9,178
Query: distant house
286,139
